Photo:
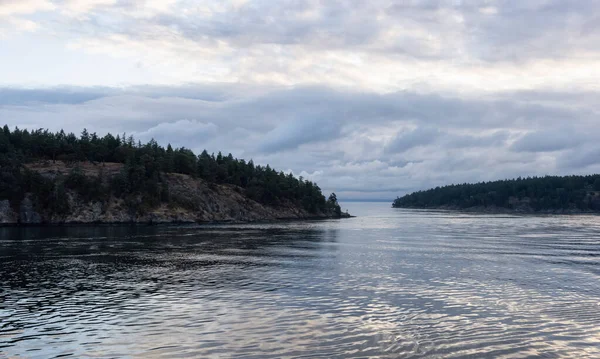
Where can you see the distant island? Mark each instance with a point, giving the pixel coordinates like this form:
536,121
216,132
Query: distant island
61,178
549,194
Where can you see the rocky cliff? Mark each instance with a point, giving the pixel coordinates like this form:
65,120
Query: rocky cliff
197,201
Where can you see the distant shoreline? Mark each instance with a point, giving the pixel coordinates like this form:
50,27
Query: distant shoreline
503,210
574,194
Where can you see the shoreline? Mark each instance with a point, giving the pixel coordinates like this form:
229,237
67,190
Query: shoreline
168,223
501,210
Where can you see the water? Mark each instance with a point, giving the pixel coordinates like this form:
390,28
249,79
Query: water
391,283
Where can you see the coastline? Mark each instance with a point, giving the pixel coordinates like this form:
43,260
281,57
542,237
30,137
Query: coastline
171,223
190,200
504,210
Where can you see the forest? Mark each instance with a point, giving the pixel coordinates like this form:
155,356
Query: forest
548,193
141,180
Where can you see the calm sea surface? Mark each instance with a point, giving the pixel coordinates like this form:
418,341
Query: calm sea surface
391,283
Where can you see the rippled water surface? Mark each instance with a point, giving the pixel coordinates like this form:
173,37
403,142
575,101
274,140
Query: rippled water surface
391,283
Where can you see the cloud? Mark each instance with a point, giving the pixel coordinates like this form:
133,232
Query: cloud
490,31
378,45
59,95
20,7
12,12
406,140
550,140
79,7
179,133
580,161
17,24
356,143
494,139
292,134
373,98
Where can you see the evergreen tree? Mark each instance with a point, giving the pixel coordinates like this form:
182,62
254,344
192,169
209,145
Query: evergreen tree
535,193
143,171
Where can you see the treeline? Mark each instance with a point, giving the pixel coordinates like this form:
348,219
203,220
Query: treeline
535,193
142,178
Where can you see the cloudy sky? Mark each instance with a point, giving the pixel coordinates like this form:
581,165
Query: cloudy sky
372,99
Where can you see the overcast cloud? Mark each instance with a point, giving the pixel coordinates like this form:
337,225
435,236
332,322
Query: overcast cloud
372,99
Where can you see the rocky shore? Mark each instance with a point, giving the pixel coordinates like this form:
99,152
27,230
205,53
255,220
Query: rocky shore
204,203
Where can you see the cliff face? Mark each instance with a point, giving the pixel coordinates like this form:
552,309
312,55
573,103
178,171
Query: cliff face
203,202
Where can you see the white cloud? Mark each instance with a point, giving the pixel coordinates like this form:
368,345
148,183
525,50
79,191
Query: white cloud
20,7
17,24
12,12
79,7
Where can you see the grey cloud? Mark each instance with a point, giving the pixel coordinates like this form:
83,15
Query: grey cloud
342,135
266,108
332,23
139,108
580,159
59,95
464,31
497,138
179,133
423,136
501,30
496,30
420,136
292,134
214,92
550,140
524,30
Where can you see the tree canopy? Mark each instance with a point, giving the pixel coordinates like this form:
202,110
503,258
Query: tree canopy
144,166
536,193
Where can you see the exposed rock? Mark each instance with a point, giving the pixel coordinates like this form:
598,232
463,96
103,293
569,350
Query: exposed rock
27,213
192,201
7,215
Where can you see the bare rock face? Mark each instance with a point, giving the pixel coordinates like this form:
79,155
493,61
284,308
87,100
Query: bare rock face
7,215
82,212
192,201
27,213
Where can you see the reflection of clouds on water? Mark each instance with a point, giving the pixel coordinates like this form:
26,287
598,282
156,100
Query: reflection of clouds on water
387,284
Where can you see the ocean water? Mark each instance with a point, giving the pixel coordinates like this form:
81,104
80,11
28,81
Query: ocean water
390,283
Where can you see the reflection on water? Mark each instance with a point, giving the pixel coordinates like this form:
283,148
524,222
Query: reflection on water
391,283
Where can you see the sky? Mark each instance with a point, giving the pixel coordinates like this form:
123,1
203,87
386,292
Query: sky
370,99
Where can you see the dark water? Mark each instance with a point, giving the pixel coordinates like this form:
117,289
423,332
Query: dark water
392,283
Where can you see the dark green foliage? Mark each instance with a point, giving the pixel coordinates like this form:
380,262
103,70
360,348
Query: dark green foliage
11,178
535,193
333,206
89,188
50,195
142,182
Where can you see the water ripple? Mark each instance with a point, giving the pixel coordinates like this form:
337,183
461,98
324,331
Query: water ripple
389,284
